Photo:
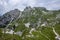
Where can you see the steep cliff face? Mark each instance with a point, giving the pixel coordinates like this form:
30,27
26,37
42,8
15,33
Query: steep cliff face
7,17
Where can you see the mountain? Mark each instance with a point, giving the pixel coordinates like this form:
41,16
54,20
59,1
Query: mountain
35,23
38,23
7,17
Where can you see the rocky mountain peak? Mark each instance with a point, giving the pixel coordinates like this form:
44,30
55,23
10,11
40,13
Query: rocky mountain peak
7,17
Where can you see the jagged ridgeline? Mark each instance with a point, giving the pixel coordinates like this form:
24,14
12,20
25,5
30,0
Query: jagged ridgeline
7,17
35,23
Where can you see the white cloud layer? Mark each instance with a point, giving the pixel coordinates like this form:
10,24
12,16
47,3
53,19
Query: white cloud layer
21,4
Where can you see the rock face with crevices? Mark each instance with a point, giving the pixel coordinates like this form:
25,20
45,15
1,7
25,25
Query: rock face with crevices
7,17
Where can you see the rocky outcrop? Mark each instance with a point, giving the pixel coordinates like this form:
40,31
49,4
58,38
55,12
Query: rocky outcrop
7,17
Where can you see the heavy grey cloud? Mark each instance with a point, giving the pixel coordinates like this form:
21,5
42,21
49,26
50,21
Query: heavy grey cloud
7,5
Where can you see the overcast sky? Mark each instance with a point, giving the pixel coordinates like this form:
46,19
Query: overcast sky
6,5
